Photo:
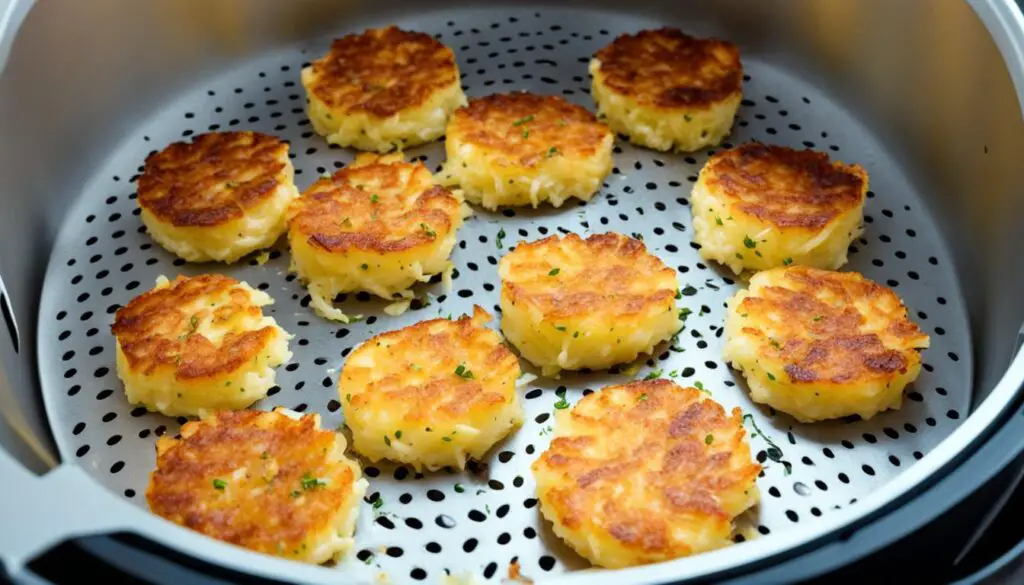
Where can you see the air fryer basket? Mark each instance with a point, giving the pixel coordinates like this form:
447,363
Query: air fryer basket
829,475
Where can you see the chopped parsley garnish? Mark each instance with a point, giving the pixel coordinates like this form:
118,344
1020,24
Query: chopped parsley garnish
699,385
643,397
446,439
219,484
459,489
426,229
560,327
787,261
751,244
709,439
374,198
526,134
774,343
718,220
562,403
524,120
499,240
739,256
554,271
575,334
817,318
770,376
637,236
552,152
193,323
346,222
309,482
295,493
378,503
398,434
463,372
653,375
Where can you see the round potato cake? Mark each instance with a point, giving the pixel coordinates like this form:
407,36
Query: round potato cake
384,89
194,345
761,206
818,344
273,482
668,91
379,225
433,394
219,197
570,303
645,472
523,149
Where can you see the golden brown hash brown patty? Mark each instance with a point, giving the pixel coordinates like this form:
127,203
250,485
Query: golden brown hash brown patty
833,341
525,127
787,187
288,488
211,180
654,470
382,71
668,69
154,331
611,274
378,206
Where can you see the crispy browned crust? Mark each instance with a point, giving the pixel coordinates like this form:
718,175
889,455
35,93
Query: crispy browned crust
831,341
154,330
668,69
212,180
786,187
268,510
339,213
604,282
382,72
524,127
436,347
656,433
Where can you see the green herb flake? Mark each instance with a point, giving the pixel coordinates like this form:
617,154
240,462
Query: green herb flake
575,334
751,244
295,493
684,313
552,152
463,372
774,343
526,133
426,229
643,397
562,403
817,318
718,220
219,484
739,256
193,323
374,198
459,489
787,261
525,120
446,439
365,266
398,434
378,503
309,482
709,439
699,385
653,375
387,440
554,271
770,376
500,239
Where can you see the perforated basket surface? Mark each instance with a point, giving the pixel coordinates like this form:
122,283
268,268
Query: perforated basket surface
480,522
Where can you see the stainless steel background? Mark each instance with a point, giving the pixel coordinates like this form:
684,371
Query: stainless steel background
929,85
